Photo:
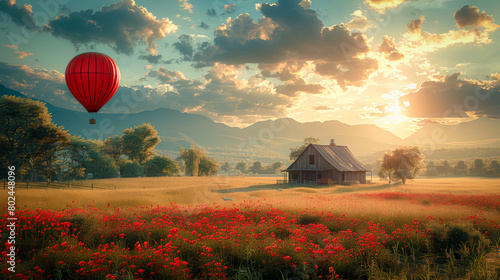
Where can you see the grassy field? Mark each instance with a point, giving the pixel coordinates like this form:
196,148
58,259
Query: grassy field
180,227
208,190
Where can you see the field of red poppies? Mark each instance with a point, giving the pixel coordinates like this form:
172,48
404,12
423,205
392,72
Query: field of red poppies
259,239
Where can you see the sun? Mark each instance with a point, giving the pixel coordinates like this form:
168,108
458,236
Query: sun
394,114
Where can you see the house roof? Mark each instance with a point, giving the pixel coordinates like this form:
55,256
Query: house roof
340,157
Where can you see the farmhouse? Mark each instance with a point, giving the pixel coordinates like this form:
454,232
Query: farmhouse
319,164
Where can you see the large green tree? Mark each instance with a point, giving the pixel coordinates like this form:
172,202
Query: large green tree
84,156
113,146
207,167
402,163
256,168
241,166
197,163
161,166
192,158
28,138
139,142
295,152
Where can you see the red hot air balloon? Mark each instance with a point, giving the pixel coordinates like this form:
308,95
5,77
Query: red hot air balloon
93,79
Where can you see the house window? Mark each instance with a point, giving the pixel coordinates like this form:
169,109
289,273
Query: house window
311,159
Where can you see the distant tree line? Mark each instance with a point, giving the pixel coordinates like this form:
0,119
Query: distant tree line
476,168
257,168
41,150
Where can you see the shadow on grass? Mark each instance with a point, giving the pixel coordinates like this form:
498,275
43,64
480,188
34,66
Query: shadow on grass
270,187
355,188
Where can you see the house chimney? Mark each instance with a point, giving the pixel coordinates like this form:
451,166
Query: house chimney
332,142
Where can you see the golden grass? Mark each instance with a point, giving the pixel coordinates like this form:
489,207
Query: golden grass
190,191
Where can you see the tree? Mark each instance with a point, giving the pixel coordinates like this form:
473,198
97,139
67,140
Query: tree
431,169
402,163
241,166
295,152
276,167
113,146
101,166
83,156
50,139
447,167
478,168
207,167
225,167
139,142
192,158
131,169
256,168
180,163
461,168
28,138
495,168
161,166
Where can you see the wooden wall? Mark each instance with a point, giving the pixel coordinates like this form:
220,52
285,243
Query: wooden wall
320,163
303,161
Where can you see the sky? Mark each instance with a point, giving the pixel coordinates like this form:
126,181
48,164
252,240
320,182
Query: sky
394,63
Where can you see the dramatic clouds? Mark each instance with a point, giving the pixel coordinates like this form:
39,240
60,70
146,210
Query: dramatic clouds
470,16
359,21
23,16
451,97
185,5
37,83
220,94
153,59
389,48
20,54
185,47
290,34
422,41
122,26
381,5
230,8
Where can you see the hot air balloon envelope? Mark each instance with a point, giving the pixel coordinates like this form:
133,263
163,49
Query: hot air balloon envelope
93,79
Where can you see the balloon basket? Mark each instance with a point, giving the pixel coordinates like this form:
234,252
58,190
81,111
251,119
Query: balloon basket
92,121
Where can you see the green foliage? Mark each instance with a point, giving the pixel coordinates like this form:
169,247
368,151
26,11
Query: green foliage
113,146
295,152
192,158
402,163
161,166
101,166
76,156
197,163
207,167
456,236
256,168
494,168
225,167
241,166
478,168
28,138
139,142
131,169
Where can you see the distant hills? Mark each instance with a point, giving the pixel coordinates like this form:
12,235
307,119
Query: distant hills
267,141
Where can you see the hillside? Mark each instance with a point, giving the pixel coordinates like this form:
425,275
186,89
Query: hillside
267,141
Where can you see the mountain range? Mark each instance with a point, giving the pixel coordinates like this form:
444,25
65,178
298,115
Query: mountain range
269,140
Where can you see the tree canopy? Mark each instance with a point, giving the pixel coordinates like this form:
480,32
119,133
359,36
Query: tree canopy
28,138
138,142
401,164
